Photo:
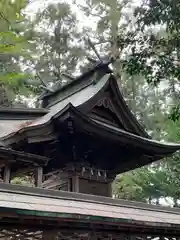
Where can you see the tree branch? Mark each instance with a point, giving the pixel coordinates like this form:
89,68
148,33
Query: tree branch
4,18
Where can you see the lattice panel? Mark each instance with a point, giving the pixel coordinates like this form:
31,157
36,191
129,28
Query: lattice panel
27,234
19,234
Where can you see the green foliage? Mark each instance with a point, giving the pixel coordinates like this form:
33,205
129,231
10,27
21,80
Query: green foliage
155,182
175,113
154,53
57,42
23,180
146,184
13,45
148,53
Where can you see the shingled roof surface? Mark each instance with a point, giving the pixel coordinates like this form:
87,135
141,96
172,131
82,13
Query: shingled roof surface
57,204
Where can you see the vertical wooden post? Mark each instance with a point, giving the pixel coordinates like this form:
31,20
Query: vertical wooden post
109,186
75,183
38,176
7,174
69,185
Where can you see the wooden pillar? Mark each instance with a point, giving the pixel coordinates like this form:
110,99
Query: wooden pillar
7,174
109,189
38,176
75,183
69,185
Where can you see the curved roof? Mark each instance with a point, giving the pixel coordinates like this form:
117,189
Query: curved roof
153,150
77,103
78,99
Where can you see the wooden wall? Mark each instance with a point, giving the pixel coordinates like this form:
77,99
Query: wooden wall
93,187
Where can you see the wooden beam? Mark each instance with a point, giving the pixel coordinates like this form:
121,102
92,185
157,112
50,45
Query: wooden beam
38,176
7,174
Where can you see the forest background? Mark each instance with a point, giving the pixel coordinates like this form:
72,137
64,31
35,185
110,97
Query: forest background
41,40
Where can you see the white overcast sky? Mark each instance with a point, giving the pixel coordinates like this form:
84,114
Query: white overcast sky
39,5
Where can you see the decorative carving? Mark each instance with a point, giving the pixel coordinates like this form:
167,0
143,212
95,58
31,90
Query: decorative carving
105,111
17,234
35,234
106,103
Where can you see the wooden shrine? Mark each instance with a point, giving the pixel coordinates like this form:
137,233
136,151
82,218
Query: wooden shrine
83,135
86,131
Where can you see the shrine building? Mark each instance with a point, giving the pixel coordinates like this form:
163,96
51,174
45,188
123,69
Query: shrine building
73,146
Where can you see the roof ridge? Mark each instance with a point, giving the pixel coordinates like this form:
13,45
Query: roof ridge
100,66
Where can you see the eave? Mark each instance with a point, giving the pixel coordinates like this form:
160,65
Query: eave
104,130
115,134
125,111
76,107
151,150
83,100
